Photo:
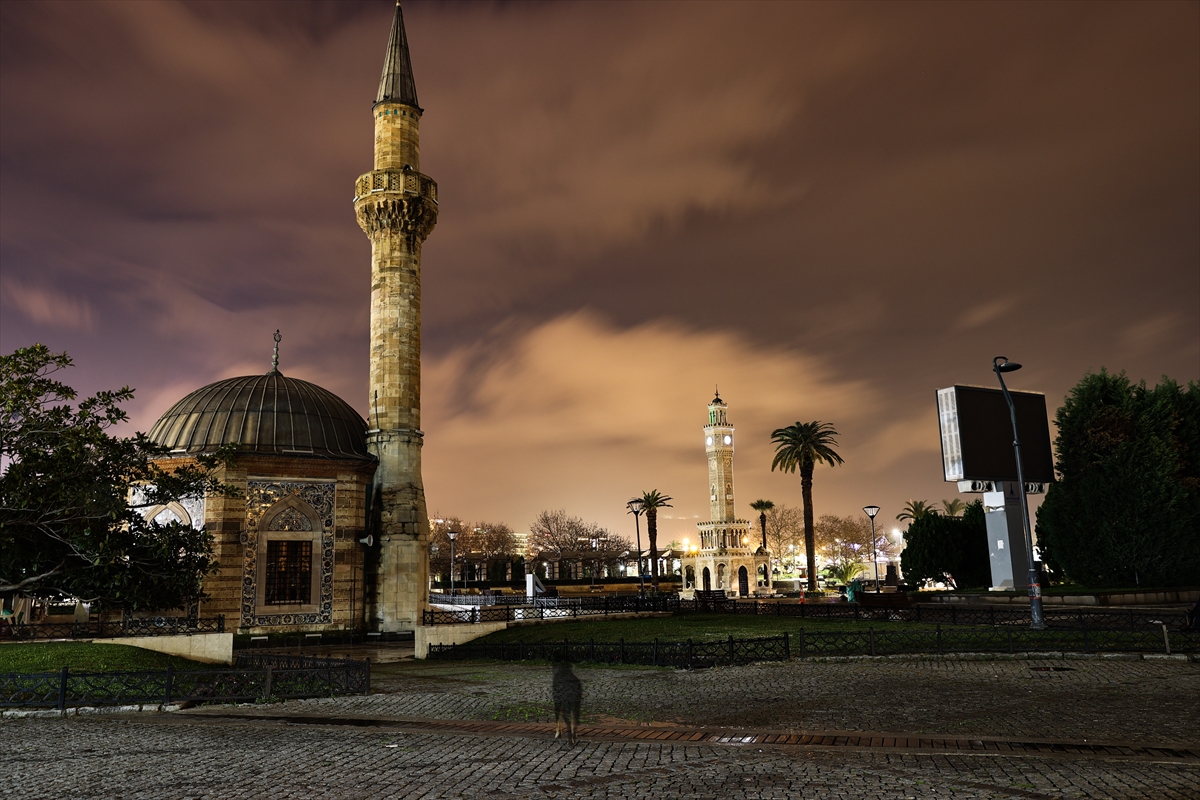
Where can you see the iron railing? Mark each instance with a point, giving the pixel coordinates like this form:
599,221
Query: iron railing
566,609
810,644
689,654
257,677
96,629
931,613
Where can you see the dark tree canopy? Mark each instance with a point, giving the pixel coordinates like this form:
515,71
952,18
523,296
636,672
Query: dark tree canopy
68,523
939,547
1126,508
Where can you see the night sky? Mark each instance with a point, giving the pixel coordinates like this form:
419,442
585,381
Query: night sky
830,210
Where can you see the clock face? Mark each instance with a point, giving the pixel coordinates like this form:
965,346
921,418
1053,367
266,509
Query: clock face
708,441
728,440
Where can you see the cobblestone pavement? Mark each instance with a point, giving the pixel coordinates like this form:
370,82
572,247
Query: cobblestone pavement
198,754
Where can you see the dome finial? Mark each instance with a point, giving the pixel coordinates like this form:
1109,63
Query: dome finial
275,358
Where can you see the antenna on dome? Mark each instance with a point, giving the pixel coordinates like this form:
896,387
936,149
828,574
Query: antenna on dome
275,358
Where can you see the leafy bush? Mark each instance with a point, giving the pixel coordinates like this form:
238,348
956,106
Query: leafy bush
942,548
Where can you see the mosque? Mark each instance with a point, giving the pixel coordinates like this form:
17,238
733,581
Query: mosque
330,530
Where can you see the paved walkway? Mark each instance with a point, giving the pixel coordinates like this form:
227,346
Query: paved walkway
1008,728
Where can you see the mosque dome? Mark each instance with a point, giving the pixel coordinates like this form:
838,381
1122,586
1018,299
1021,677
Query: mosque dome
266,414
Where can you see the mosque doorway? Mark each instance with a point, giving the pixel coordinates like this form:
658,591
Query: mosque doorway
707,580
743,582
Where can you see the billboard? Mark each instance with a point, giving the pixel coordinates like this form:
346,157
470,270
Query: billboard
977,441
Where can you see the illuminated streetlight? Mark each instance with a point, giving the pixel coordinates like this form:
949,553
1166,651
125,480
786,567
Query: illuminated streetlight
453,535
871,511
635,508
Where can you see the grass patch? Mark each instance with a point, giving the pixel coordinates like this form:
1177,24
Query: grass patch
681,627
27,657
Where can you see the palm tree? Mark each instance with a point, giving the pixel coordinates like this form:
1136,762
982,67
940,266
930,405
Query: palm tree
953,507
762,507
652,501
801,447
915,510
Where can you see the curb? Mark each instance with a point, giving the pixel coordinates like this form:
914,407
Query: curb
84,711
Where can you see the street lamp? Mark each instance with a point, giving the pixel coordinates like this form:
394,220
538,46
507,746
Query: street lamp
1037,621
871,511
452,535
594,543
635,508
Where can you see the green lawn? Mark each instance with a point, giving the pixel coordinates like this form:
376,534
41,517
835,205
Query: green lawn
680,627
26,657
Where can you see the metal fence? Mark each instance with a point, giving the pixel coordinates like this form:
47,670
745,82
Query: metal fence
809,644
257,677
931,613
944,614
96,629
690,654
564,608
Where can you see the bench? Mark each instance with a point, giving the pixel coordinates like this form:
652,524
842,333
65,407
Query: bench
887,605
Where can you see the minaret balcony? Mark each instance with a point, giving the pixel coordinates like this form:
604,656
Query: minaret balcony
395,181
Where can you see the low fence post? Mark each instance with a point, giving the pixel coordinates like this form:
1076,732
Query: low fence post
267,685
689,652
654,653
802,643
367,685
871,633
1011,650
731,649
939,639
1166,640
170,678
62,690
621,654
787,650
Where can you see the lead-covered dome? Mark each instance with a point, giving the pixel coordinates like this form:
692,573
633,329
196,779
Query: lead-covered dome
267,414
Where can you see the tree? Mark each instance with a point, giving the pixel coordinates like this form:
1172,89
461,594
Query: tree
652,501
1126,508
845,539
439,542
491,542
73,497
801,447
762,507
914,510
952,508
785,529
952,549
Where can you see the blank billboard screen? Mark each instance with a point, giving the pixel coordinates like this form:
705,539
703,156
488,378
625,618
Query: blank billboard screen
977,442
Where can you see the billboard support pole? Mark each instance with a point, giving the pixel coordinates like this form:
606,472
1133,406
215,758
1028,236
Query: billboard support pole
1037,620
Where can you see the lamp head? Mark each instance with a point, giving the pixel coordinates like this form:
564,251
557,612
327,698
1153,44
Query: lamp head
1002,364
871,511
635,505
452,534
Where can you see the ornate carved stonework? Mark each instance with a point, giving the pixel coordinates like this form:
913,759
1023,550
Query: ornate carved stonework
410,216
260,497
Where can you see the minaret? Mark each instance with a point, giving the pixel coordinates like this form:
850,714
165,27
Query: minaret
718,444
396,207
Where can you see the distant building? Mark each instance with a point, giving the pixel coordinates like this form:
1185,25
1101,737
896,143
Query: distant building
726,559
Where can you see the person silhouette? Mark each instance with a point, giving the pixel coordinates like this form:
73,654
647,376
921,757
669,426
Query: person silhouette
567,691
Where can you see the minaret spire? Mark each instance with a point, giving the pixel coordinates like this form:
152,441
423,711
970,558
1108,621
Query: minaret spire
275,357
397,85
396,206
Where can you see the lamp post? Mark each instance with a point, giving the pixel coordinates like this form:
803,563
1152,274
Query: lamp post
635,508
452,535
594,544
871,511
1037,621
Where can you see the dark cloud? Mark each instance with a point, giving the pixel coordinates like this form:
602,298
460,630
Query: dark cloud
830,209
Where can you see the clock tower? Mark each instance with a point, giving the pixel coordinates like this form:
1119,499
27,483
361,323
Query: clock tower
726,561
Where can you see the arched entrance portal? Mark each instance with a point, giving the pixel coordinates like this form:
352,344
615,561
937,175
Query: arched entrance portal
743,582
707,580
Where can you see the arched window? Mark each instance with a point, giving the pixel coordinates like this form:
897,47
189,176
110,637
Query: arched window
289,553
